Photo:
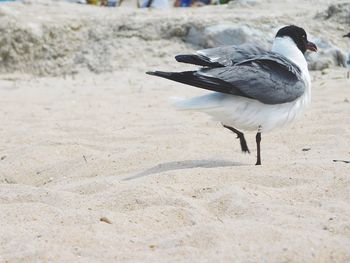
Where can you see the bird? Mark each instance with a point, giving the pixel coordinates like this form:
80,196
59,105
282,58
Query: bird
252,89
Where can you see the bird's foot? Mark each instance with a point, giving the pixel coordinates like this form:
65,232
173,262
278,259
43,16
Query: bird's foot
243,143
240,136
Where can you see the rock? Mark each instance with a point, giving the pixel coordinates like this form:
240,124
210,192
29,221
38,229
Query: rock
105,220
245,3
326,58
337,12
225,34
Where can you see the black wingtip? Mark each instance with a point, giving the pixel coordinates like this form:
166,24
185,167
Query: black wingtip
192,59
198,60
181,58
160,74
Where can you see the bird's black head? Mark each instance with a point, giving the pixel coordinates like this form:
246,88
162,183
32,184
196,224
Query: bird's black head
347,35
299,36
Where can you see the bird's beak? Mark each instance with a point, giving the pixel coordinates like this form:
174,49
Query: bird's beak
347,35
311,46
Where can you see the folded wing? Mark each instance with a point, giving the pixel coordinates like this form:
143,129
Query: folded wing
221,56
268,78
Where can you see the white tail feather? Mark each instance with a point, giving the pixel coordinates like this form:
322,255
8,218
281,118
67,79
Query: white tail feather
197,103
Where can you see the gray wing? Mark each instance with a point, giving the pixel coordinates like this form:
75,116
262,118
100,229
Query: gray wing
222,56
269,78
230,55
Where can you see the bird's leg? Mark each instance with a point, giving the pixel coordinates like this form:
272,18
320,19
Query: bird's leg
258,140
241,138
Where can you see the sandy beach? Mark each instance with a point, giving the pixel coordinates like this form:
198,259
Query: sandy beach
100,167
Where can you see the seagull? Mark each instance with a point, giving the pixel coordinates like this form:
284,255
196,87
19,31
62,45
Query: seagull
253,89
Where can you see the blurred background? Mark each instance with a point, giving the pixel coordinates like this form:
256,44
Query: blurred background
66,37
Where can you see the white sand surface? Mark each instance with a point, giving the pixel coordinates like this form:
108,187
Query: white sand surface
169,186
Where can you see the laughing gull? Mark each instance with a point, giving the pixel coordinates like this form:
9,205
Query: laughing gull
254,90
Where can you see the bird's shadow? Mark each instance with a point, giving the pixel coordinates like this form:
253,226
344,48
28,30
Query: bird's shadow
179,165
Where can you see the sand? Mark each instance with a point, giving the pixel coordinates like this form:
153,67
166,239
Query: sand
101,167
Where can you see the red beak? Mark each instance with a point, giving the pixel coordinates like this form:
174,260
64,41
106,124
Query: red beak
311,46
